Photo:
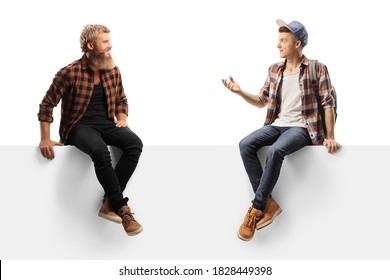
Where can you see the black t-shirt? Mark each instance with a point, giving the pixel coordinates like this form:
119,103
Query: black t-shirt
97,108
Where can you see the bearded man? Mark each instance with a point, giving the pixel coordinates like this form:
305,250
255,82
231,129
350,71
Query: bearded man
94,112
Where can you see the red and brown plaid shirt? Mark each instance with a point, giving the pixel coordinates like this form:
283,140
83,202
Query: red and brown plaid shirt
73,85
269,94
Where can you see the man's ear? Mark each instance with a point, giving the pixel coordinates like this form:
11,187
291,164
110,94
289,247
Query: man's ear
298,44
90,46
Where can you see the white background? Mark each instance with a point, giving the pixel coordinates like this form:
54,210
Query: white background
173,55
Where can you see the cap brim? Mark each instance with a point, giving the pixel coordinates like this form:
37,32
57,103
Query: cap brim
281,23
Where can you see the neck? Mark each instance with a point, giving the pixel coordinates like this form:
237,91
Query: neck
293,63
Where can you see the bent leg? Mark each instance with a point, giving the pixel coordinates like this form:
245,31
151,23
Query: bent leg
90,141
131,145
291,140
250,145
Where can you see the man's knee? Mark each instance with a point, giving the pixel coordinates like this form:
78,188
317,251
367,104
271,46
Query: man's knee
248,147
243,146
276,153
133,143
101,157
138,143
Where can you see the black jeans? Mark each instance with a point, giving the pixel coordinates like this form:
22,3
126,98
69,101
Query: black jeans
93,140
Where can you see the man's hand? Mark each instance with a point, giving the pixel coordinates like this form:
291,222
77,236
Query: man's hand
332,145
231,85
121,120
248,97
121,123
46,147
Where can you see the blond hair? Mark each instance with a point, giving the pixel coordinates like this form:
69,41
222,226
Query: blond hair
90,33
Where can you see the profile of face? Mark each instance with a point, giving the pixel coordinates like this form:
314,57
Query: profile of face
99,53
288,44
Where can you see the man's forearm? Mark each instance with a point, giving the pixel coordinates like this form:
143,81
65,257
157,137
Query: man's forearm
45,130
329,122
251,99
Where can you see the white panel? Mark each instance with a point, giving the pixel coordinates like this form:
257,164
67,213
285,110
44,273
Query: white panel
191,201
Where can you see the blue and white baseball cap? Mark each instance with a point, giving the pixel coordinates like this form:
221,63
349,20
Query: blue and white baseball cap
297,28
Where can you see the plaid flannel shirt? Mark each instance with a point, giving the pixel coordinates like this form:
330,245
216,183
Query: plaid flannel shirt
270,95
73,85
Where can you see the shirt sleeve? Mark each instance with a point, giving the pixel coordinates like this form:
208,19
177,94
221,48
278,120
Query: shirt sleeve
53,96
263,96
325,88
264,91
121,105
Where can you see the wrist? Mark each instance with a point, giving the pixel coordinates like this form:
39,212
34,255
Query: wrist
121,117
45,138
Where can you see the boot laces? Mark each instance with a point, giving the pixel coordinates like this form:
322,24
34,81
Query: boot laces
127,216
251,220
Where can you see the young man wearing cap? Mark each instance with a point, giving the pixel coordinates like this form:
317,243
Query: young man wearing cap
94,115
292,122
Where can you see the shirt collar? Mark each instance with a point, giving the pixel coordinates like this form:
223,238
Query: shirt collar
305,61
84,62
282,64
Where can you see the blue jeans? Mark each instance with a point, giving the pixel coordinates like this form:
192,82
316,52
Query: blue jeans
283,141
93,140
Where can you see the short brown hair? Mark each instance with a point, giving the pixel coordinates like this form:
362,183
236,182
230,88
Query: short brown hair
284,29
90,33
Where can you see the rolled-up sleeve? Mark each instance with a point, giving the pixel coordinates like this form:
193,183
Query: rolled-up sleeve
52,97
121,104
325,88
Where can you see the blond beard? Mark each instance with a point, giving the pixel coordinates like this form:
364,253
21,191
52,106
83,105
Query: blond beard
99,61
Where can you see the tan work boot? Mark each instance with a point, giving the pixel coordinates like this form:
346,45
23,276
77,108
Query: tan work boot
247,229
271,210
131,226
107,213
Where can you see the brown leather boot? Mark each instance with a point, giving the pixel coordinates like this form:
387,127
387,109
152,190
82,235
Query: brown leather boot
131,226
247,229
271,210
107,213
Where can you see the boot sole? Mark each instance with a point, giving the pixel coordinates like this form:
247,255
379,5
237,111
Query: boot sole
116,220
243,238
270,221
132,233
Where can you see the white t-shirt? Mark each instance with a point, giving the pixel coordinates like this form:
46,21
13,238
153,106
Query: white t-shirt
291,103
